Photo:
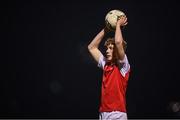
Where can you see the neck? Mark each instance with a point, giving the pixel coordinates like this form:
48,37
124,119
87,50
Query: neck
110,63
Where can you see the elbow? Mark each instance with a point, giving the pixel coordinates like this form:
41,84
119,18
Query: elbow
117,42
90,47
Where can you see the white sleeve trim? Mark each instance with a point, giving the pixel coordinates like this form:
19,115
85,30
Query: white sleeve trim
101,62
124,66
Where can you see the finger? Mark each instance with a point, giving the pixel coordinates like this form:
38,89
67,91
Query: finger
121,17
125,20
126,23
124,17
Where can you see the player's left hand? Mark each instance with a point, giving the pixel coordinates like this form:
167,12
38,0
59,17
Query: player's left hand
122,21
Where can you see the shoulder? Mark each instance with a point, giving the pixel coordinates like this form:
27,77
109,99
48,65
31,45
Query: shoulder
102,61
124,65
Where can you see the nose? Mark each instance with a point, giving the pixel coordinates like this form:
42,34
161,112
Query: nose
107,51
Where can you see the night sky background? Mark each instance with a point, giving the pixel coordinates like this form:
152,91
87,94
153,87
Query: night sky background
47,71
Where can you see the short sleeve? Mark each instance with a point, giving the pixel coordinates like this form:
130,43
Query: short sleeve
102,61
124,66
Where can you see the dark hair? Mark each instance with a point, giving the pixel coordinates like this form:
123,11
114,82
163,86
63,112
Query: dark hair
112,41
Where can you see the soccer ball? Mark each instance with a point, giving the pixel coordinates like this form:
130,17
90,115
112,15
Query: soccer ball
112,18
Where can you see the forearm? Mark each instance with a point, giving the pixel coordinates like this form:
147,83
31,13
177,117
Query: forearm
118,42
118,35
96,41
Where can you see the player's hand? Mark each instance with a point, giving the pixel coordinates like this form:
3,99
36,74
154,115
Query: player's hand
122,21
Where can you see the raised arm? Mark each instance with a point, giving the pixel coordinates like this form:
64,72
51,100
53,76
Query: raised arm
119,38
93,46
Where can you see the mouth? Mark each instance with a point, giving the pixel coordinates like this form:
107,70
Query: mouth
108,56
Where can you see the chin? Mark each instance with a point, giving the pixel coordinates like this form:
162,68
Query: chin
108,59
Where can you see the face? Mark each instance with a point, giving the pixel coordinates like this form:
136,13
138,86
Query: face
109,52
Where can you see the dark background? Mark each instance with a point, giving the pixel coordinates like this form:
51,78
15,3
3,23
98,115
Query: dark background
48,73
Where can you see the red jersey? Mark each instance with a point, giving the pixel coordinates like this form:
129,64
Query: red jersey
114,84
